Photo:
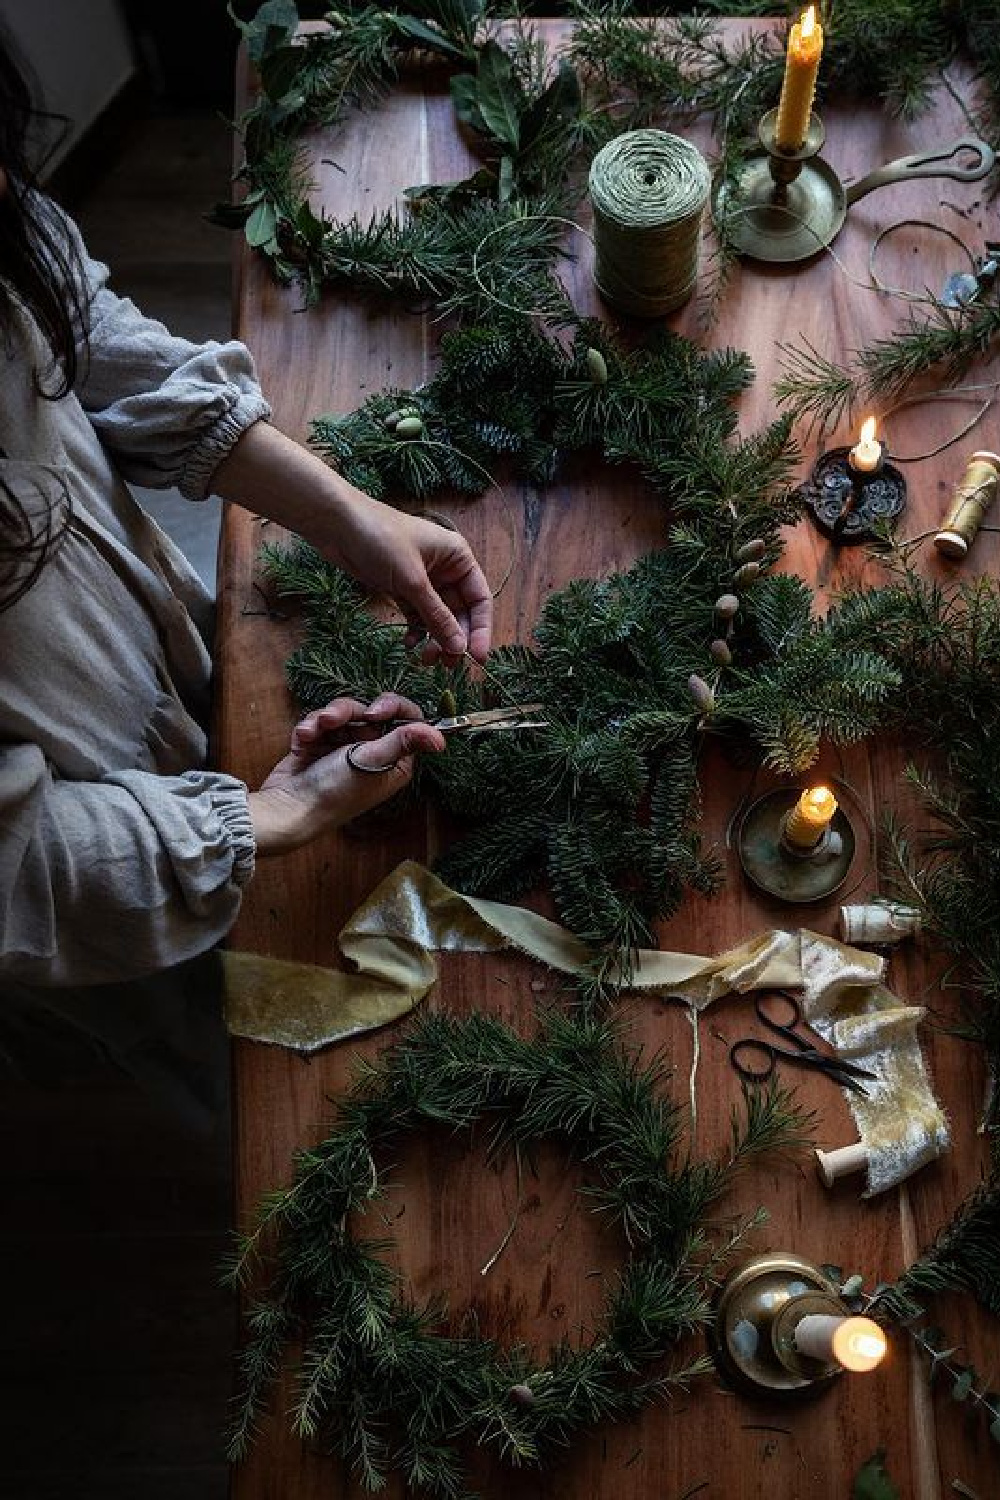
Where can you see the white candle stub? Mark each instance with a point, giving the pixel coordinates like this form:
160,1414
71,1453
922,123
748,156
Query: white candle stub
857,1344
866,455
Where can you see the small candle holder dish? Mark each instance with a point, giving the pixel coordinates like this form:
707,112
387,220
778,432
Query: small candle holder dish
753,1335
780,868
848,504
786,206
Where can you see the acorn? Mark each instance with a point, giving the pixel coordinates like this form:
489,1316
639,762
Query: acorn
597,367
751,551
726,606
721,654
701,693
742,576
409,427
522,1394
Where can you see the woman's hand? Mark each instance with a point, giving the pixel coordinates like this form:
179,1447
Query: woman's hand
429,570
315,788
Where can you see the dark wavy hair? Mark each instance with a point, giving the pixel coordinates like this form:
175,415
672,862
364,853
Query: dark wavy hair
40,268
39,263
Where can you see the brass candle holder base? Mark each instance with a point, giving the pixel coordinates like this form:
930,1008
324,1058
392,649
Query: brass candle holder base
848,506
788,205
753,1336
780,869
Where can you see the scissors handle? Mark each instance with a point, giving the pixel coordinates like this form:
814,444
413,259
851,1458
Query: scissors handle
781,1012
741,1054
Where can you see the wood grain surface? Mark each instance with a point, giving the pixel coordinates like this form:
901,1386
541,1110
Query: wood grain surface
449,1212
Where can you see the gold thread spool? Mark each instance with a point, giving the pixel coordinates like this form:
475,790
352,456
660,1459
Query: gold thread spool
970,502
649,190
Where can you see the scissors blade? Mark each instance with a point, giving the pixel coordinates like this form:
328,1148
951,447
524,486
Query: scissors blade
844,1073
518,716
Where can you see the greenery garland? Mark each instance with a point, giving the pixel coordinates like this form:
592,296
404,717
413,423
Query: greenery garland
634,670
539,123
381,1381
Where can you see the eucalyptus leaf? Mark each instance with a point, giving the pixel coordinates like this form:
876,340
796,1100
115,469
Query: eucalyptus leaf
427,37
499,96
308,225
465,99
279,71
873,1482
561,101
995,1429
963,1384
273,25
852,1286
261,225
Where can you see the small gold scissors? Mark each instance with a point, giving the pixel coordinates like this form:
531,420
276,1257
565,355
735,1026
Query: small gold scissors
484,720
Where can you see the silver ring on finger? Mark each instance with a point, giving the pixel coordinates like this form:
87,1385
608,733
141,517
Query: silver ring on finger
356,765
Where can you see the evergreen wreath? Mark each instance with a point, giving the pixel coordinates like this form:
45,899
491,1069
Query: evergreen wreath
381,1382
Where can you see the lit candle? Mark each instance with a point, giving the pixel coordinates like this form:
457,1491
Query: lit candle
805,47
866,455
858,1344
810,817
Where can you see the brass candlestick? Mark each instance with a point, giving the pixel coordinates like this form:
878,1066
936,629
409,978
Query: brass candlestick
778,867
788,205
753,1336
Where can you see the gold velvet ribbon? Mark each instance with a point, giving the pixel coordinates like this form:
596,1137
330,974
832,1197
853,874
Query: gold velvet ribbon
390,939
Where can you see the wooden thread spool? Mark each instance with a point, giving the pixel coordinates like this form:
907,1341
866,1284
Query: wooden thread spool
881,922
649,190
970,502
842,1162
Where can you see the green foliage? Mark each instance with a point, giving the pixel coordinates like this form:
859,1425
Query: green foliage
603,803
872,1481
943,342
945,643
391,1386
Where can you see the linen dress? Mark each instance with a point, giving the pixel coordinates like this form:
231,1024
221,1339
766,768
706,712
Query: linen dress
120,853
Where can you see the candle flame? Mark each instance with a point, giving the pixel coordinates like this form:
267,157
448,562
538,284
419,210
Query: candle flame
867,430
821,801
808,23
859,1344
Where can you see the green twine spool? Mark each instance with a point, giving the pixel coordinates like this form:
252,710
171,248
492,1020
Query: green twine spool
649,190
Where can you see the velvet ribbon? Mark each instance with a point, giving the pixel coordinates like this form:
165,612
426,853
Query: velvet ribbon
389,942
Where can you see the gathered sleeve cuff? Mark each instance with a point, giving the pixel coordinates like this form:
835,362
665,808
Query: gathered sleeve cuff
168,411
111,879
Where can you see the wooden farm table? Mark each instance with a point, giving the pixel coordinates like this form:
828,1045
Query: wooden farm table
457,1212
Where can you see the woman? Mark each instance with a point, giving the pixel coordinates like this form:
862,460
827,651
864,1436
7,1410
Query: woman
120,854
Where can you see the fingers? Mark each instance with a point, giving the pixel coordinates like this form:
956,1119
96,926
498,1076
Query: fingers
312,735
397,748
310,732
439,621
480,627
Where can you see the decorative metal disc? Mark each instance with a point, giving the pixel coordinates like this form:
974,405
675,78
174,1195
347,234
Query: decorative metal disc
749,1316
774,868
847,506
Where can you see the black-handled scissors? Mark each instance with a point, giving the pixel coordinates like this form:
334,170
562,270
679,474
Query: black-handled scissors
784,1021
